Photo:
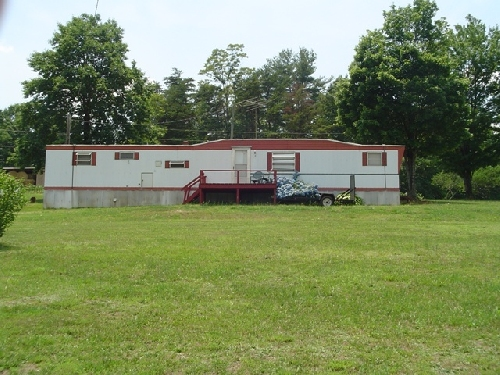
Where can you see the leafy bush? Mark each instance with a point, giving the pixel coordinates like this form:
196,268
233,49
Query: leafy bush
293,187
486,183
12,199
449,183
425,169
345,197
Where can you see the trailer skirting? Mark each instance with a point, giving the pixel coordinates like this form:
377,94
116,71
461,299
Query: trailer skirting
123,197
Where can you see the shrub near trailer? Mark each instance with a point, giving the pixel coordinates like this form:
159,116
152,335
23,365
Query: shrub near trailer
12,199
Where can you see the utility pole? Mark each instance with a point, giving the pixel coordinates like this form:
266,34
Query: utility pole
68,128
232,120
251,104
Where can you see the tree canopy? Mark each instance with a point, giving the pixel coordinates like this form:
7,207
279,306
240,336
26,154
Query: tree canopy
85,75
476,54
178,108
402,88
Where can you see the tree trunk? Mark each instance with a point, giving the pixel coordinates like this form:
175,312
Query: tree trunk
410,158
468,184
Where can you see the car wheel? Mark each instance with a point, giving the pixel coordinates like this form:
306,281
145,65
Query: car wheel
327,200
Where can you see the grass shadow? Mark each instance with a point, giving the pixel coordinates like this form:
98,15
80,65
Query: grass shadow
4,247
451,201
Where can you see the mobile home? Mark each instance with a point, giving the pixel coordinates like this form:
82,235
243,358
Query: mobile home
135,175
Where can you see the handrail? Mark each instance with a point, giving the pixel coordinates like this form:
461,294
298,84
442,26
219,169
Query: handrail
188,188
235,176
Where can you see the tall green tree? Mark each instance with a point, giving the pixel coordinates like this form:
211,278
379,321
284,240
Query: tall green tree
249,107
38,127
402,89
327,122
10,128
85,74
178,108
224,69
291,92
302,95
210,112
276,77
476,53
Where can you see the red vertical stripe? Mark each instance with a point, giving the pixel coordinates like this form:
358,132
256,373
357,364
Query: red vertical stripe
93,156
269,161
186,164
117,156
167,163
136,156
365,159
297,161
384,159
73,162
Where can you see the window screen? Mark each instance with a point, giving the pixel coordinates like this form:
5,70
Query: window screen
283,161
83,158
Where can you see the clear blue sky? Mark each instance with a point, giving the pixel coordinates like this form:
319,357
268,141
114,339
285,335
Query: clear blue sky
163,34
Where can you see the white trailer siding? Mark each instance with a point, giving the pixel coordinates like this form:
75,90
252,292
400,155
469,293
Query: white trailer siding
157,174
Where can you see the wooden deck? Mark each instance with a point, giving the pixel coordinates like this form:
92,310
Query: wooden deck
238,190
248,188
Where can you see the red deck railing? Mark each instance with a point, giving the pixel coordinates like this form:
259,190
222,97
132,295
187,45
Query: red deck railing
192,189
234,180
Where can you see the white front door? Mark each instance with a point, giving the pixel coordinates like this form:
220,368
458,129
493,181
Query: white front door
241,163
146,180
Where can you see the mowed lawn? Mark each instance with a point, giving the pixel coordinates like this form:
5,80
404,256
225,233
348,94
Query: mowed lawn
229,289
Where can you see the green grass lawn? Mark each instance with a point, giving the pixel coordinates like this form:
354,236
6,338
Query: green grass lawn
285,289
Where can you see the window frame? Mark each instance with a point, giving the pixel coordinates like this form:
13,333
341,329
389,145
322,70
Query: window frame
120,155
368,160
90,159
176,164
283,161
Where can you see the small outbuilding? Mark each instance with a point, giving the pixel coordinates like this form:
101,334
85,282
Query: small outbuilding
27,174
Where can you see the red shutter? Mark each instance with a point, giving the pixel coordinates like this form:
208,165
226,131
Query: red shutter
384,159
167,163
117,156
93,156
269,161
73,161
297,161
136,156
365,159
186,164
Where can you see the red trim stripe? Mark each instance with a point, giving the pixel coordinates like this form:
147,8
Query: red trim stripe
92,188
228,144
344,188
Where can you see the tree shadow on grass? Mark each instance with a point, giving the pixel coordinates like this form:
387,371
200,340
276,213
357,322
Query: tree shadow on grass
453,201
4,247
